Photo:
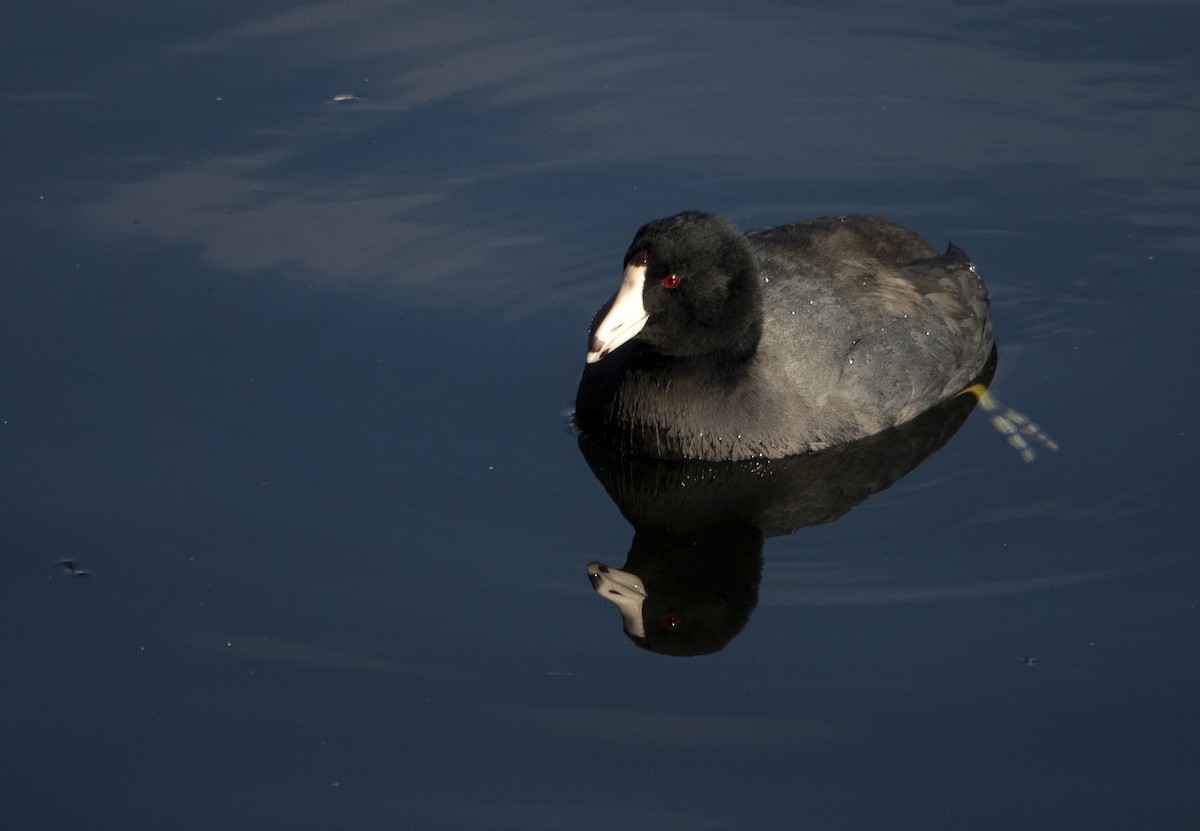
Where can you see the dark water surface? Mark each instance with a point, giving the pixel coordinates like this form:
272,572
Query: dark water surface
289,379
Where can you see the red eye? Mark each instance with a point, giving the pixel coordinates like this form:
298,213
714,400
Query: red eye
670,622
671,281
639,259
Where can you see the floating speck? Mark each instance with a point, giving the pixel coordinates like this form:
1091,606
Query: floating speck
74,567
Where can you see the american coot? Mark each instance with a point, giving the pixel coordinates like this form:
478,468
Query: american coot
720,345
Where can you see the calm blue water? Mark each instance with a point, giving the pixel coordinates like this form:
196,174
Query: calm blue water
289,378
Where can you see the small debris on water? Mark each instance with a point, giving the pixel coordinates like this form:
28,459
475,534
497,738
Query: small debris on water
74,567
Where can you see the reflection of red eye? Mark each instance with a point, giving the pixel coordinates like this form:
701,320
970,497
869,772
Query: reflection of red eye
670,622
671,281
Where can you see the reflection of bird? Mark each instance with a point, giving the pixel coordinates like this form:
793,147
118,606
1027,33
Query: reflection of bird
725,346
690,580
75,568
685,594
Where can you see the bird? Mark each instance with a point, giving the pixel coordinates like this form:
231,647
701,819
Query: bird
725,346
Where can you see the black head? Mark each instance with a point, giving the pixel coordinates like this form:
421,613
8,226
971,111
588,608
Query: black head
691,287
